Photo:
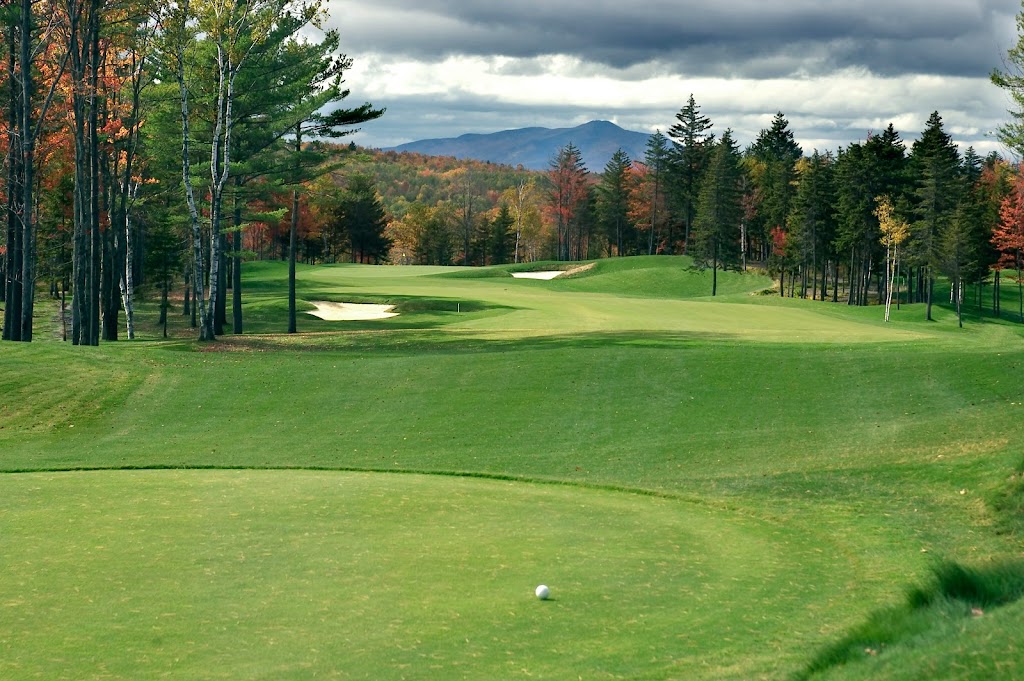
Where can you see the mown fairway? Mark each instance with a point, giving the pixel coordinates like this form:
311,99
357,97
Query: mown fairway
713,489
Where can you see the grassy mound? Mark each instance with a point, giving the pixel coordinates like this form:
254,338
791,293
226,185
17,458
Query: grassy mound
640,276
659,277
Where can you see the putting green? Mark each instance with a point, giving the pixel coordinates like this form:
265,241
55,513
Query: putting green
302,574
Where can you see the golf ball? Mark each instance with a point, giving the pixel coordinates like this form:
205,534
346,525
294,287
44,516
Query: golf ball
542,592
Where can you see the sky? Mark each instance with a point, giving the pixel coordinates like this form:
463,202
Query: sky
837,69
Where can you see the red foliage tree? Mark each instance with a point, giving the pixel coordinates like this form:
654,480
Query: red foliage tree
1008,236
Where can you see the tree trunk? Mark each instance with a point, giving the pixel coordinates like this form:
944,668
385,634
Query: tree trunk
164,305
236,270
186,309
996,310
12,257
109,299
835,281
1020,294
714,270
929,288
95,180
958,288
850,280
186,175
127,284
222,295
292,239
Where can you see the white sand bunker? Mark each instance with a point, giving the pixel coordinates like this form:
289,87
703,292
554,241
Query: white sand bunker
550,274
347,312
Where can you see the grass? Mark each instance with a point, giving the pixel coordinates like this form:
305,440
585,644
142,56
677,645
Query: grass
714,488
929,617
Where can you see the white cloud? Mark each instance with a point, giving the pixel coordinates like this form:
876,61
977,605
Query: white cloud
836,69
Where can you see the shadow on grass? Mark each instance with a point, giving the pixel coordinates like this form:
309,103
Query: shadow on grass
427,341
954,592
1007,503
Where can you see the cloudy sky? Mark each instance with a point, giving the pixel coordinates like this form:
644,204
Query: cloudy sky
838,69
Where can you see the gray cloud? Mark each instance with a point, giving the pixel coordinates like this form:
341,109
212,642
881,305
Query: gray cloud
837,68
737,38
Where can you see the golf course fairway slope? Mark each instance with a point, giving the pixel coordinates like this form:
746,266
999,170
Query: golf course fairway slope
738,487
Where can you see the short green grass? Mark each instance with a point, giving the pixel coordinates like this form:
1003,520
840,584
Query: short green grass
713,488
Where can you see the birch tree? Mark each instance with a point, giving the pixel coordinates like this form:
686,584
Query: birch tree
523,191
894,232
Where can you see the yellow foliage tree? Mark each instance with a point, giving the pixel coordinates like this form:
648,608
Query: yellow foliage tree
894,232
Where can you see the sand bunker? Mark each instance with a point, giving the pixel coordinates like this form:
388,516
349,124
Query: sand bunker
343,312
551,274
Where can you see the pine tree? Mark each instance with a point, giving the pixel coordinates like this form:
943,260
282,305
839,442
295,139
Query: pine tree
360,215
811,220
613,203
502,236
936,164
716,233
777,152
1012,80
693,147
865,171
656,157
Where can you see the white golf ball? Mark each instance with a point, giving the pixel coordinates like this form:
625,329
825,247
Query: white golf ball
542,592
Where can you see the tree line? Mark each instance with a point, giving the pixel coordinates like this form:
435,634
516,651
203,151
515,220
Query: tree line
821,223
143,140
873,219
156,144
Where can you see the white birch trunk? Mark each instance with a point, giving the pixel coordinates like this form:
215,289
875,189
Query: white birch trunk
127,277
520,206
186,177
890,267
220,155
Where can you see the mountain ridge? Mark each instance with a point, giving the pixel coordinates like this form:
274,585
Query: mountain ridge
535,147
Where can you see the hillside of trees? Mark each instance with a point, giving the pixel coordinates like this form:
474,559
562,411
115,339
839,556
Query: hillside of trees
154,149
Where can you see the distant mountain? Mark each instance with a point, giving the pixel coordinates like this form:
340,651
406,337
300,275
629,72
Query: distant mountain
535,147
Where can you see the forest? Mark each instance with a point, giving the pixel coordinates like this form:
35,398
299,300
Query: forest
152,149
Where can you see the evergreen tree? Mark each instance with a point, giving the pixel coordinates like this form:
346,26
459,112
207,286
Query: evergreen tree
361,216
716,233
693,143
777,152
280,112
935,162
865,171
613,203
435,243
502,236
656,157
1012,80
811,220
